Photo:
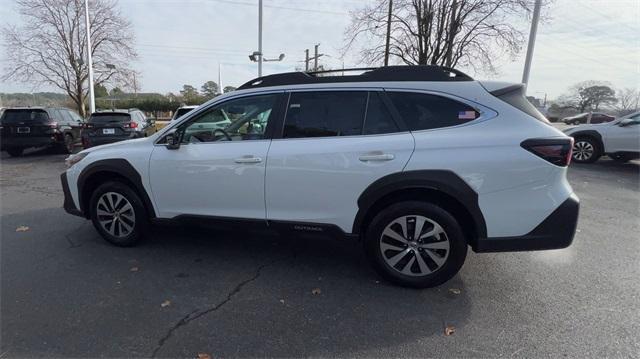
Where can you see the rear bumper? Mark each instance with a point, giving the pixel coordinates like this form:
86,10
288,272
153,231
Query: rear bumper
68,205
25,142
555,232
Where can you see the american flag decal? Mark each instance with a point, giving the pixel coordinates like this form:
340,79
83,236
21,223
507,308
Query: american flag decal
466,115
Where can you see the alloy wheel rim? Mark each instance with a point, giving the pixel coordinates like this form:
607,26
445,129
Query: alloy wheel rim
582,150
414,245
115,214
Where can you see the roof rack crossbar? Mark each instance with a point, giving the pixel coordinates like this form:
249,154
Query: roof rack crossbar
387,73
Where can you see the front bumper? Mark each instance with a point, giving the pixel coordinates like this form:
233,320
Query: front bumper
555,232
68,205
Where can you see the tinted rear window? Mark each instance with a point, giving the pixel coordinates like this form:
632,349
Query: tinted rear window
517,99
109,117
423,111
24,115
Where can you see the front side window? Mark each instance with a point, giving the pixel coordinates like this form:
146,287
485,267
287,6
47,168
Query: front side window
241,119
423,111
325,114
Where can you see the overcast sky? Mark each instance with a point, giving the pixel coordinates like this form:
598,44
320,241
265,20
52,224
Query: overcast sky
182,42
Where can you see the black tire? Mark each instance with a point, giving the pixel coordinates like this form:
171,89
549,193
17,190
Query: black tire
586,150
388,217
120,237
15,151
68,146
620,158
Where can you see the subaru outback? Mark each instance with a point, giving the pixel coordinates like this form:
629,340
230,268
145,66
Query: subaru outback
417,162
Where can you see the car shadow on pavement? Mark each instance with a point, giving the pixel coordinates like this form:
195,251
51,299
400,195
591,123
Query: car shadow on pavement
229,292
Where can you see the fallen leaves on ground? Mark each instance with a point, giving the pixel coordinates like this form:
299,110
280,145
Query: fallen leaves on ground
22,229
166,303
316,291
134,269
203,356
454,290
449,330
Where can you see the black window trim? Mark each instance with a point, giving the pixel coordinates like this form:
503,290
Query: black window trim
402,128
485,113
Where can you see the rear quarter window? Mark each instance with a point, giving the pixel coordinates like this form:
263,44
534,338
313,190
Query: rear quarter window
422,111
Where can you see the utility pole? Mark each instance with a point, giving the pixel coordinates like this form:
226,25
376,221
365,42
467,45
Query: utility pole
219,80
92,98
386,48
260,38
532,41
306,60
314,58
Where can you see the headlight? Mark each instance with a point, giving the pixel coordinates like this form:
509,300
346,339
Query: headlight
73,159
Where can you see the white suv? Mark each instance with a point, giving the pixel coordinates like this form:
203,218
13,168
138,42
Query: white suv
619,139
417,162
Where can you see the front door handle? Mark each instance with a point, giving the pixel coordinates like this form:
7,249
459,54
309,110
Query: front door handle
378,156
248,159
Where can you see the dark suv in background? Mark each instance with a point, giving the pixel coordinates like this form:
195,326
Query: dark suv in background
110,126
26,127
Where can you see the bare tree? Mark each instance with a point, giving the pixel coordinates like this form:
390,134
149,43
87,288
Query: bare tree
51,47
440,32
628,100
588,96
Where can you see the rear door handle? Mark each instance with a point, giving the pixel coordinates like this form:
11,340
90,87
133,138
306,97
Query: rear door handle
248,159
377,157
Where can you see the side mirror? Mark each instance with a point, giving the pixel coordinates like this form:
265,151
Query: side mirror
172,138
625,122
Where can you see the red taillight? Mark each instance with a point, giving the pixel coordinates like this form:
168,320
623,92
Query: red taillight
131,125
555,150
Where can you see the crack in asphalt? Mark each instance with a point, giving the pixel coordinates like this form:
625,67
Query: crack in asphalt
197,313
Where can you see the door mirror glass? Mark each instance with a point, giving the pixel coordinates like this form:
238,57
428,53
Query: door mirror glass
172,139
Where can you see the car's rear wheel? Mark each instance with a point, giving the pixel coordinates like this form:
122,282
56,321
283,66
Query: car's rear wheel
117,212
415,244
15,151
620,157
586,150
69,144
576,122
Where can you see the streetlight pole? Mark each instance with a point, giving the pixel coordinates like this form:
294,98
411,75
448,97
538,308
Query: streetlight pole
260,38
532,41
92,98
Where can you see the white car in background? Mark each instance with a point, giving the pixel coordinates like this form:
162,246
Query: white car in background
619,139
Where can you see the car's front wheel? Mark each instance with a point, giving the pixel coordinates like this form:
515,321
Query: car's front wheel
586,150
118,213
415,244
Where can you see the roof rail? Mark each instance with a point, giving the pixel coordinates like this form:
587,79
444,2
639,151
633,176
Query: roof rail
387,73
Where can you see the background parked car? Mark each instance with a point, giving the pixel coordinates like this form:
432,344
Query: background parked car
181,111
619,139
596,117
104,127
27,127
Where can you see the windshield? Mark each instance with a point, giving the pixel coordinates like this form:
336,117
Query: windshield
24,115
109,117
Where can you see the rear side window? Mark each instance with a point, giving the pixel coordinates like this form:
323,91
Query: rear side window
517,99
325,114
24,115
423,111
109,117
378,119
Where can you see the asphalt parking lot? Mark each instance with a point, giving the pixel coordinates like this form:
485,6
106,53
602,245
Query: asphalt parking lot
67,293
